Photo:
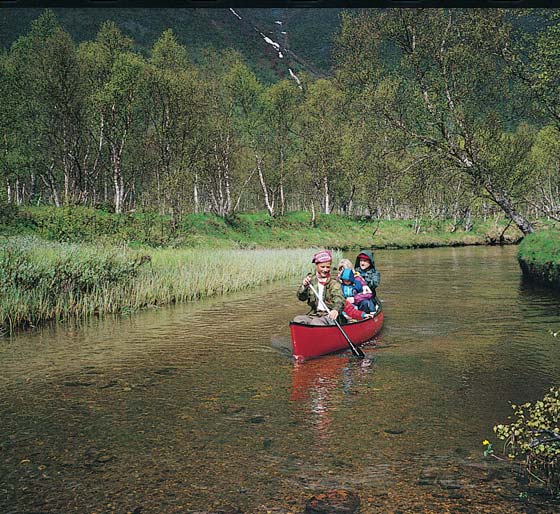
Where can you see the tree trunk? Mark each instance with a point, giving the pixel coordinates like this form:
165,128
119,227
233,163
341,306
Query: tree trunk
118,182
50,182
326,193
195,193
118,191
227,181
268,203
505,204
281,187
313,215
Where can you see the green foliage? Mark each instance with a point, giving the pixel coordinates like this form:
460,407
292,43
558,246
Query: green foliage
54,281
446,91
9,213
536,56
62,269
84,224
420,121
541,247
539,257
534,434
243,230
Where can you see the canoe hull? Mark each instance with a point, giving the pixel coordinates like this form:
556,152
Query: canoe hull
310,341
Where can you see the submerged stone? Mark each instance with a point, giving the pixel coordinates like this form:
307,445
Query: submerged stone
256,419
77,383
229,509
337,501
394,431
448,483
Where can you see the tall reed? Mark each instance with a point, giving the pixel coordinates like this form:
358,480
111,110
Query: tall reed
43,281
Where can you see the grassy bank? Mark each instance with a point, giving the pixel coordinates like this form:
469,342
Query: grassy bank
43,281
58,263
250,230
539,257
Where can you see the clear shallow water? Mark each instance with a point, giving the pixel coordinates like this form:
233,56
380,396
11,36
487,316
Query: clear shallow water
196,406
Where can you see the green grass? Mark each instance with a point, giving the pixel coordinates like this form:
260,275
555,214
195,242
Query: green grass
42,280
244,231
56,264
539,257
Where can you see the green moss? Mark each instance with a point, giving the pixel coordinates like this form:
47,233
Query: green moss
539,257
541,247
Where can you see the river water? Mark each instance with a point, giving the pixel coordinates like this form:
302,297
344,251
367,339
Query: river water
199,407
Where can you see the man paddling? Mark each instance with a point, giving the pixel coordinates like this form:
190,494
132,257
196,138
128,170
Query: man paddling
325,309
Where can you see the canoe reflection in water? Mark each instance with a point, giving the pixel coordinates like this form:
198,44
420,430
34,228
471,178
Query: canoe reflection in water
321,385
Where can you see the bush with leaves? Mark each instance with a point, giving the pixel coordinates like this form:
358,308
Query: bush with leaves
534,434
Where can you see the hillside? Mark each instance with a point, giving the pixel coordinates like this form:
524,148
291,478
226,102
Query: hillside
304,36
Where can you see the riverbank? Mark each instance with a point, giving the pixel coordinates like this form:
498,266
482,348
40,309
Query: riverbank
539,257
62,263
247,230
45,280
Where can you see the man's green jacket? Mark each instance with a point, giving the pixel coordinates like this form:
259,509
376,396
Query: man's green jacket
332,296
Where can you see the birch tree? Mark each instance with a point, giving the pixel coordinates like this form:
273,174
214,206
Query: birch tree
280,107
117,76
445,89
46,71
321,118
174,110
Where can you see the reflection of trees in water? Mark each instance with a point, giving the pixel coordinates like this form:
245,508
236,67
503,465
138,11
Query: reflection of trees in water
317,385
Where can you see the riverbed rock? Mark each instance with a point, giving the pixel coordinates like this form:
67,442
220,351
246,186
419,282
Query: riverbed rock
232,409
228,509
428,476
336,501
257,418
77,383
449,483
394,431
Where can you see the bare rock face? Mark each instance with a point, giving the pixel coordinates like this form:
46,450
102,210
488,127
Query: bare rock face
337,501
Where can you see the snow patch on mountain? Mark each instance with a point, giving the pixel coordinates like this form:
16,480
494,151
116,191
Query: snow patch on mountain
270,42
235,13
294,76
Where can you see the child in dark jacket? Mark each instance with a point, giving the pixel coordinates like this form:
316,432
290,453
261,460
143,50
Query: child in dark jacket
365,265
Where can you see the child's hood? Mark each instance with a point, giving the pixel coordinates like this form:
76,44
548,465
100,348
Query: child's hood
368,254
347,274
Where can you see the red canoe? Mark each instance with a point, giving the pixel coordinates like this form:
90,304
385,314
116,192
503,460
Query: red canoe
313,341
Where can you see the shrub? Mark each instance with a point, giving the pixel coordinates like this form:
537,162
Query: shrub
9,213
534,434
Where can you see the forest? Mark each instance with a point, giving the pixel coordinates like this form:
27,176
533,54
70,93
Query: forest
446,114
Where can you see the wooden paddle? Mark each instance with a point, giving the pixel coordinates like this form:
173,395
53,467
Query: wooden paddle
355,350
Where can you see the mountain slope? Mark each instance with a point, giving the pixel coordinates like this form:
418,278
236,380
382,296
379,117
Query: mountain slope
304,36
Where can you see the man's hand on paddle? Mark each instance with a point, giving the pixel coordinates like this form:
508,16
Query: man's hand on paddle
307,280
333,314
